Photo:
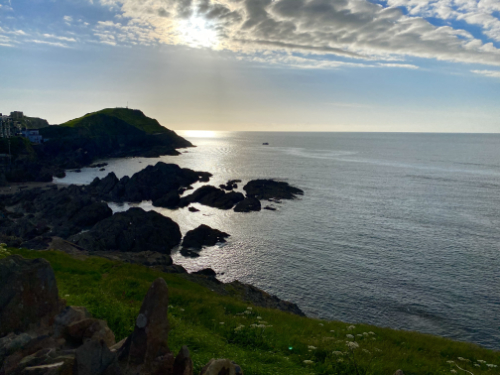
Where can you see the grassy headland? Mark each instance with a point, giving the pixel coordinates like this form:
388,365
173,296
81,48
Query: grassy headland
262,341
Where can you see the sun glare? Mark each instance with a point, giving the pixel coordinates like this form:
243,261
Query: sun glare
196,32
199,133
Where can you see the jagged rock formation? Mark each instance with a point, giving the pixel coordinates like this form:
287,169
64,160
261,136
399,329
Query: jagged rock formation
211,196
270,189
247,205
38,337
203,236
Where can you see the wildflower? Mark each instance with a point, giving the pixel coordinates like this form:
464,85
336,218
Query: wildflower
350,328
349,336
308,362
450,362
454,371
253,325
312,347
249,308
321,324
183,310
491,365
359,335
365,351
373,338
477,365
221,323
365,334
337,353
352,345
248,312
261,326
340,360
332,331
371,333
461,359
481,361
66,295
259,318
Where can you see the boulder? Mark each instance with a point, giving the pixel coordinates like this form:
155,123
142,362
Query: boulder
266,189
208,272
28,294
94,358
221,367
211,196
247,205
203,236
270,208
150,337
183,364
89,328
132,231
68,316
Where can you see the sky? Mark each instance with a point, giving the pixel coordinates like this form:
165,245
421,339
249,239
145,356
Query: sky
257,65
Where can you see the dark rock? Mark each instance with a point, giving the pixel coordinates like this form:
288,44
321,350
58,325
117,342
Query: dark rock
183,364
213,197
174,268
203,236
102,169
146,258
221,367
399,372
106,185
169,200
189,253
28,294
89,328
132,231
270,208
193,209
265,189
208,272
150,337
248,204
70,315
93,358
37,243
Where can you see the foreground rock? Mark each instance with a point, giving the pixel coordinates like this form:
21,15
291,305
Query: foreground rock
211,196
67,342
270,189
132,231
203,236
28,294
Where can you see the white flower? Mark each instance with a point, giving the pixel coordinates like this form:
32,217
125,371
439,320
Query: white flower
365,334
454,371
259,318
366,351
359,335
349,336
183,310
312,347
332,331
248,312
450,362
461,359
337,353
221,323
491,365
253,325
350,328
352,344
477,365
321,324
340,360
371,333
66,295
481,361
261,326
308,362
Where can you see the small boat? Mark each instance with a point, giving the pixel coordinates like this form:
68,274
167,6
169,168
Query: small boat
265,144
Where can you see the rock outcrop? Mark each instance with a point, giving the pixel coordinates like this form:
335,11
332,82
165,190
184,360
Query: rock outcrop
37,338
28,295
132,231
203,236
266,189
211,196
248,204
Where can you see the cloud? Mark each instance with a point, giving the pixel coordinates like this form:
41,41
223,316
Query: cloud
63,38
354,29
488,73
54,44
68,20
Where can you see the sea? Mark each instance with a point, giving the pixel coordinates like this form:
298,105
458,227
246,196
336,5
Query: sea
397,230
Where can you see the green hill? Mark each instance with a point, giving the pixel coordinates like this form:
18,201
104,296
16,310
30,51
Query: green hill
132,117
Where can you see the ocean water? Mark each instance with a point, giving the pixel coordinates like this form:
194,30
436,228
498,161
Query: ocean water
396,230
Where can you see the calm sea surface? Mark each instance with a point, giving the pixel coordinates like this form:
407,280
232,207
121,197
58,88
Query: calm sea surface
397,230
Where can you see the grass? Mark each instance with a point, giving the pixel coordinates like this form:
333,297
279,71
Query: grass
132,117
215,326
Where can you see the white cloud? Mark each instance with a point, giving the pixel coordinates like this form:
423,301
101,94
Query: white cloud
63,38
488,73
354,29
68,19
54,44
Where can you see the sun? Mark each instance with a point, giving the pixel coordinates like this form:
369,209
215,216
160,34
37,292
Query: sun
196,32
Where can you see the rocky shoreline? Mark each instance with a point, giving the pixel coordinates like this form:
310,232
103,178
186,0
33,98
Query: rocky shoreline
78,221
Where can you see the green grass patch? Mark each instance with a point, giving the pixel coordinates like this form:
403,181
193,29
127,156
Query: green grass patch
263,341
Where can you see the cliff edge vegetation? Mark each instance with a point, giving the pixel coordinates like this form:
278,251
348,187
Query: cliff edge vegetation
262,341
